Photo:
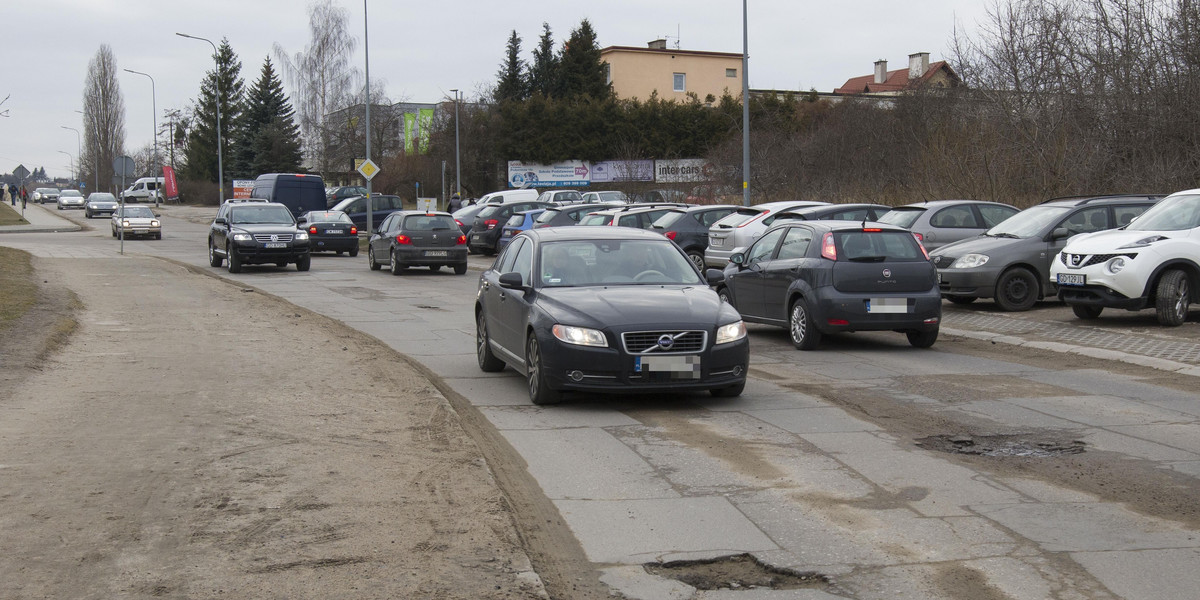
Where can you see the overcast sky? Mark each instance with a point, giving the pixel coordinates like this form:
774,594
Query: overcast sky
421,50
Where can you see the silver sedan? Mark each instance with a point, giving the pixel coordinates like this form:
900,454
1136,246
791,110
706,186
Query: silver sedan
131,221
100,203
70,199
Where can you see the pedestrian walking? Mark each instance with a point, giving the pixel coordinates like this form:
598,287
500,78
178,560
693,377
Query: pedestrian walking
455,203
11,193
24,198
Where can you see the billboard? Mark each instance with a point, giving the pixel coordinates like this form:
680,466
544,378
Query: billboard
622,170
684,170
568,173
242,188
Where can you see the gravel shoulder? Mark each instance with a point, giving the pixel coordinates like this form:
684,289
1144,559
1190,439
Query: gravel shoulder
194,439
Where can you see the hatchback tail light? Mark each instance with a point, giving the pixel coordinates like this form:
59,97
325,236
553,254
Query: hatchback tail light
920,238
462,239
828,250
403,239
491,223
671,235
459,223
920,242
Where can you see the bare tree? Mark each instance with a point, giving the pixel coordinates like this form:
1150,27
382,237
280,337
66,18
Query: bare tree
322,79
103,118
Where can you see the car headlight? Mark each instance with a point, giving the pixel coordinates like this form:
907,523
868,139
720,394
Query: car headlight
1116,265
243,237
580,336
154,223
970,261
1146,241
302,236
731,333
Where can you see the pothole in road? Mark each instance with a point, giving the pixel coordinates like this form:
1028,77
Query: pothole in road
1003,445
741,572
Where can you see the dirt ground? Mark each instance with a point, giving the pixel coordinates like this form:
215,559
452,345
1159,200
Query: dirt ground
166,434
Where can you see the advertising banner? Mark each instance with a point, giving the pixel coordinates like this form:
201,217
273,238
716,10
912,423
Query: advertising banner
410,132
170,187
622,170
684,170
425,121
242,188
568,173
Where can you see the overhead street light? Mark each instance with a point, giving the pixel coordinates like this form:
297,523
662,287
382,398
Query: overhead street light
154,120
68,156
216,60
78,151
457,165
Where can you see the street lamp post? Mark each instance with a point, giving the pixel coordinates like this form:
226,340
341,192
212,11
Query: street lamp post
367,108
68,156
78,150
96,162
745,108
154,121
216,59
457,165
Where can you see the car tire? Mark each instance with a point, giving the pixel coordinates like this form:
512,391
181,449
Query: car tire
114,232
158,236
922,339
535,375
460,269
304,262
87,215
961,299
1086,312
731,391
371,259
488,362
801,329
1172,297
723,294
697,259
214,259
1017,290
353,252
396,266
235,261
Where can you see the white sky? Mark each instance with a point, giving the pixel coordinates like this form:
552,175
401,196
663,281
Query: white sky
421,50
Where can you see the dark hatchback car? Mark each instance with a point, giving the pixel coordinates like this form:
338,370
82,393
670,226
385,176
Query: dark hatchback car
606,309
1011,261
410,238
489,224
688,228
823,277
330,231
255,233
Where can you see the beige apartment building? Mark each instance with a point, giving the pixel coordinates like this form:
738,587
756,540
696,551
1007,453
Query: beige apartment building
638,72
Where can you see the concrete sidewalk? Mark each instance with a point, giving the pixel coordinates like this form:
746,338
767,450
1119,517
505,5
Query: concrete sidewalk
41,220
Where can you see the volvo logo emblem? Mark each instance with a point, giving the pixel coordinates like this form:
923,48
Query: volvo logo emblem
887,272
274,238
665,341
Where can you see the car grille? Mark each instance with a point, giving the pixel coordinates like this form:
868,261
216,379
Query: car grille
1079,261
647,342
266,237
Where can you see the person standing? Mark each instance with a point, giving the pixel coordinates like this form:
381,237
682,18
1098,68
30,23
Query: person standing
455,203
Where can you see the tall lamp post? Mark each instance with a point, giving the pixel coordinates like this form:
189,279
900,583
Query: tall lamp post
457,165
216,59
70,157
154,120
745,109
95,163
78,150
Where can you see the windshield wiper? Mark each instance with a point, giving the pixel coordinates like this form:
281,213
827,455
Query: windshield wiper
1004,235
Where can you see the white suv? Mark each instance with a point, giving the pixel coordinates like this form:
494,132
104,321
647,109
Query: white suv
1152,262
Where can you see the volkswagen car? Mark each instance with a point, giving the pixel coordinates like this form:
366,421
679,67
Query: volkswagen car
607,310
70,199
100,203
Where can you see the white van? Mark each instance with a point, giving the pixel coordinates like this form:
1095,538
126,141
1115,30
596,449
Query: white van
145,189
506,196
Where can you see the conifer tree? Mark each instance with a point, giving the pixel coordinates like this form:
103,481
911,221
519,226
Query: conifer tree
543,73
580,70
512,85
200,159
268,139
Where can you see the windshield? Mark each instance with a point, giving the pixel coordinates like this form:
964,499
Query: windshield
249,215
429,223
1170,214
137,211
596,220
102,197
615,262
1029,222
902,217
71,193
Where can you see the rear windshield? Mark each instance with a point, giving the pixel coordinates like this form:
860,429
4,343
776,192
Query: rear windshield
902,217
546,216
877,246
734,219
488,211
332,216
596,220
668,219
429,223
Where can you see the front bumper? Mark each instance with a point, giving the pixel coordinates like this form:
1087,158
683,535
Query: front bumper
256,253
717,258
610,370
1126,289
969,283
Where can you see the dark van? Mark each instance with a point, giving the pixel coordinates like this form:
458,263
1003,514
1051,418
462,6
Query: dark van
299,192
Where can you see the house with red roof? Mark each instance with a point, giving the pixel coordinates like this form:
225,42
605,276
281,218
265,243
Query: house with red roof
920,74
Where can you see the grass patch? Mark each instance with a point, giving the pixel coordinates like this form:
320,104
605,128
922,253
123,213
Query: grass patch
9,216
18,292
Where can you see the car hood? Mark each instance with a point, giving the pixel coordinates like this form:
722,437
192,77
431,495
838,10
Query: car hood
102,202
265,228
979,245
1102,242
626,306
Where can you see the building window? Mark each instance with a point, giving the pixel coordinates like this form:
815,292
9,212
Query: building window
680,82
608,73
731,72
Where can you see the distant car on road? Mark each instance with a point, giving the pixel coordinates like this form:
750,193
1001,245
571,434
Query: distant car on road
330,231
410,238
100,203
70,199
43,195
136,221
940,222
820,277
606,309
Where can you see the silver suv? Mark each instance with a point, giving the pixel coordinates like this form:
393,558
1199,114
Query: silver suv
740,228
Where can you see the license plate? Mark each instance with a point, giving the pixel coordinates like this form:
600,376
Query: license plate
679,367
334,231
717,242
435,253
887,305
1072,279
475,238
939,278
275,245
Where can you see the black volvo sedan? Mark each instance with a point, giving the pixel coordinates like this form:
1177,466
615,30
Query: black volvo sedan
818,277
606,309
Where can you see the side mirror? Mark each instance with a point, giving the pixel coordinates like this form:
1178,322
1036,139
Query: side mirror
220,221
714,276
1060,233
738,259
301,221
512,281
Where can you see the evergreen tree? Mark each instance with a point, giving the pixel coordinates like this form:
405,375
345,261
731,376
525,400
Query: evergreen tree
581,72
543,73
512,85
200,159
268,139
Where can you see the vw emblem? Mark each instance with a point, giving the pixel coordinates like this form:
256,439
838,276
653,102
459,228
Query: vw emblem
665,341
274,238
887,272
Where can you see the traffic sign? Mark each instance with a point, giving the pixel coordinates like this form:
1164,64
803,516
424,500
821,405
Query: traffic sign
20,172
368,169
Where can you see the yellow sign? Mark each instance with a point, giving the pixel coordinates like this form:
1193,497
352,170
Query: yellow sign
368,169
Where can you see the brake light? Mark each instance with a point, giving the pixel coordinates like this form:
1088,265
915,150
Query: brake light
459,223
403,239
920,238
872,229
313,230
671,235
752,219
491,223
353,231
838,322
828,250
462,239
921,244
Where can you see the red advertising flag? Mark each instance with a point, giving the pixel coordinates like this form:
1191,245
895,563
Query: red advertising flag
172,188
